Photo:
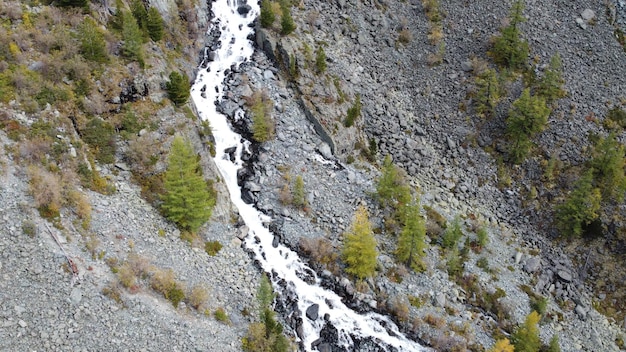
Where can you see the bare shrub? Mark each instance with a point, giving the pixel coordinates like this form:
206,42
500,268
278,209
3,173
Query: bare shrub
140,265
126,275
447,342
322,252
284,195
46,189
405,36
435,321
399,307
198,296
81,205
34,150
11,10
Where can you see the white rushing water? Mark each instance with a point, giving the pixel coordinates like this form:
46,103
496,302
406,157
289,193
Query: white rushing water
207,89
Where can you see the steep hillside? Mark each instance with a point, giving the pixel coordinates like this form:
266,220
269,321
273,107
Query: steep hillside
402,112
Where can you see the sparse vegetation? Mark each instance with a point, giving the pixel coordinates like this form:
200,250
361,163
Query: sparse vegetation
353,112
212,247
320,60
164,282
322,252
221,316
198,297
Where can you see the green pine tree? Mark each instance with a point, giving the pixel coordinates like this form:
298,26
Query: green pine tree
187,200
320,60
509,49
528,116
487,93
526,337
140,13
267,14
392,189
116,21
133,39
554,344
550,87
607,162
92,43
178,88
299,197
359,247
266,335
155,24
411,242
581,207
286,22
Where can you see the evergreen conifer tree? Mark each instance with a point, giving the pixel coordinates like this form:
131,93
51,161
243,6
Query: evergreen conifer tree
140,13
509,49
155,24
502,346
527,117
581,207
267,14
286,22
133,39
487,92
411,242
607,163
359,248
92,44
550,86
266,335
178,88
392,189
187,200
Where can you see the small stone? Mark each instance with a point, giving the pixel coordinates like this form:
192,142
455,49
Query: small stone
22,323
76,296
518,257
467,66
267,74
324,149
588,15
532,265
581,23
243,232
581,311
313,311
565,275
440,299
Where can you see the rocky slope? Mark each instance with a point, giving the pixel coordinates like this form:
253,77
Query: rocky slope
411,109
412,112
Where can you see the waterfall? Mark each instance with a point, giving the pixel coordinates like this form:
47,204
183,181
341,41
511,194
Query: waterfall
233,18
